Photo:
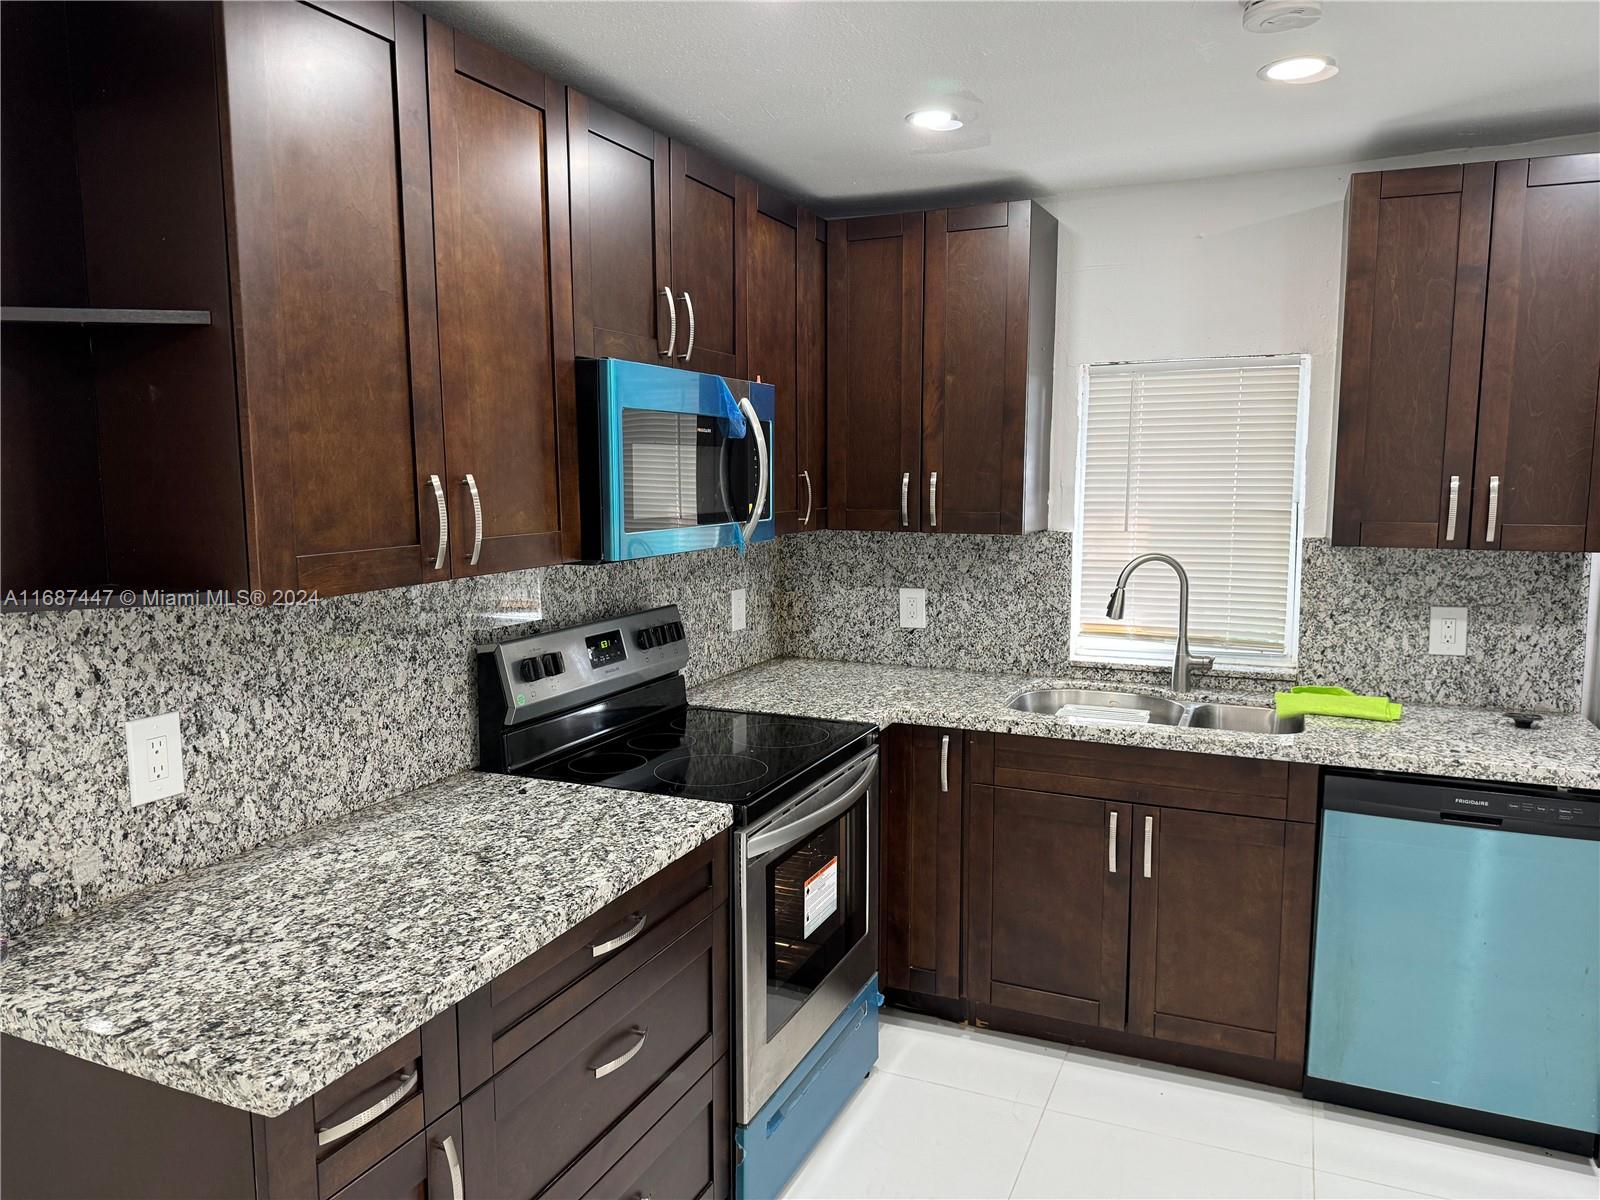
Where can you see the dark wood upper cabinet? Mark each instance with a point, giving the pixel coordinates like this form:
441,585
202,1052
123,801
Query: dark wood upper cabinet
875,372
920,946
812,406
769,300
504,294
621,237
988,342
1048,907
1471,351
705,262
1416,265
1540,402
1221,932
336,336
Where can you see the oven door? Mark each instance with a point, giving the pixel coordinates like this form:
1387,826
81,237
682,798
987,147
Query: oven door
687,460
807,931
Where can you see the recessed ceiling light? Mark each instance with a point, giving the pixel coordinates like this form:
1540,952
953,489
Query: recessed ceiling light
1302,68
939,120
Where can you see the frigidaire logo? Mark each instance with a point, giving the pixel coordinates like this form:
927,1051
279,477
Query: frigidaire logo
1472,802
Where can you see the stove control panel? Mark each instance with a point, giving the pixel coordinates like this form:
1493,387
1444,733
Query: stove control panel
566,668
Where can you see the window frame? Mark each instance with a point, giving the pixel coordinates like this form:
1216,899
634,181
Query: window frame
1102,650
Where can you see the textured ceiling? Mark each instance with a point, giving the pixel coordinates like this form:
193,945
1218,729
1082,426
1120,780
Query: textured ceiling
1063,95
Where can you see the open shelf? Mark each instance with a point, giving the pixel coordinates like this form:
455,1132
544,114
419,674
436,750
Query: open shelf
20,314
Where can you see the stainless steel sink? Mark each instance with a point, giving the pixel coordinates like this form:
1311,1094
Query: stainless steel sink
1246,718
1242,718
1052,700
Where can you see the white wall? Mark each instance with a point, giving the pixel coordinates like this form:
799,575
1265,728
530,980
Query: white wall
1243,264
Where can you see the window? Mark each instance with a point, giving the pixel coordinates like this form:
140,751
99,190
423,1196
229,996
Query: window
1202,460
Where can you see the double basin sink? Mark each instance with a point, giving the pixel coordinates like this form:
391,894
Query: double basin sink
1243,718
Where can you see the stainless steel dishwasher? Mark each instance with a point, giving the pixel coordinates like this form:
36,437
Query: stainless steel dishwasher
1455,975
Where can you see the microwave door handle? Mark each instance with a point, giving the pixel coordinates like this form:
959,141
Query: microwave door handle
785,835
762,481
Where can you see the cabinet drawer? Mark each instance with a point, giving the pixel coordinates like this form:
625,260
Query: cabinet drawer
325,1143
1139,775
685,1154
426,1167
643,1042
525,1004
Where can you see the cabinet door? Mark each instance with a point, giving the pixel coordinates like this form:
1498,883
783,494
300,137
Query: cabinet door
975,368
330,218
1416,261
621,258
875,372
1048,909
505,334
705,262
769,296
1541,358
812,405
1221,932
920,947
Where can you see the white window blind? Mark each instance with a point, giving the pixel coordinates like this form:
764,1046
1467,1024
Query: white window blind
1200,460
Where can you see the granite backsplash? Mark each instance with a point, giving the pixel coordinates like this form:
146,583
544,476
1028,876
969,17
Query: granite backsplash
290,716
296,716
1004,604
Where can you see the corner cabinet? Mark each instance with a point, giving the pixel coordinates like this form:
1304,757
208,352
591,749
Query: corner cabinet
1469,389
941,358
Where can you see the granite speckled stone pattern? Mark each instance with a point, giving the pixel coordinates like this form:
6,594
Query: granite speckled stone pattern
290,716
1457,742
1364,624
257,982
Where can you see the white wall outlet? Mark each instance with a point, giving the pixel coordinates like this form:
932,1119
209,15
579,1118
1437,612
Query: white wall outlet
155,758
913,608
738,609
1447,630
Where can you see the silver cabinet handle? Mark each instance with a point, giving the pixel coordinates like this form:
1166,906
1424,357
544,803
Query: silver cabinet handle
944,763
1111,842
763,463
672,316
1455,503
1149,836
1494,508
601,949
403,1087
933,499
452,1162
623,1059
477,519
689,348
806,475
905,499
444,522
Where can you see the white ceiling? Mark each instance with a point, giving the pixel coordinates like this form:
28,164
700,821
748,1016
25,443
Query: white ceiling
1067,94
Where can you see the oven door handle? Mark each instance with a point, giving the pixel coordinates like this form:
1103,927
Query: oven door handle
782,836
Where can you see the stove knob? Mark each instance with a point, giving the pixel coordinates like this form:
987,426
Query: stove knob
656,636
530,670
642,638
677,631
552,664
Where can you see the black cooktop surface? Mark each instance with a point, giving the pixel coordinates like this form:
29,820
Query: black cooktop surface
707,754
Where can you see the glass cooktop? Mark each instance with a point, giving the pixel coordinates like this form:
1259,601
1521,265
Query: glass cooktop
707,754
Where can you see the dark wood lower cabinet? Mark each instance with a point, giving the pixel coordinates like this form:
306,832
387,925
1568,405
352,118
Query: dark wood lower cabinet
1154,903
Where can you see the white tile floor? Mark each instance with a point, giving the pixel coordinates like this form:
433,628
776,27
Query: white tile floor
969,1113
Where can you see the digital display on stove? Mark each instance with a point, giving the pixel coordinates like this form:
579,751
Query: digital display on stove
605,648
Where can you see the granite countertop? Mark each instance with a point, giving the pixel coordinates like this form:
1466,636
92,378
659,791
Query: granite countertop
260,980
1464,743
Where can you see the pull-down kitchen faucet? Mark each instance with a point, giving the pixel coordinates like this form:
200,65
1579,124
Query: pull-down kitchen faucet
1184,664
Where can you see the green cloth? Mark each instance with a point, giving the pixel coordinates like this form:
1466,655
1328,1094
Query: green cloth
1335,702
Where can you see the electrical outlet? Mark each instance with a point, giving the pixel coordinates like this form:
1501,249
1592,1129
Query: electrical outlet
1447,630
155,758
913,608
738,609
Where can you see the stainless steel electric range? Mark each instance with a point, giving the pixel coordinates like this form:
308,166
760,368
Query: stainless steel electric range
606,704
